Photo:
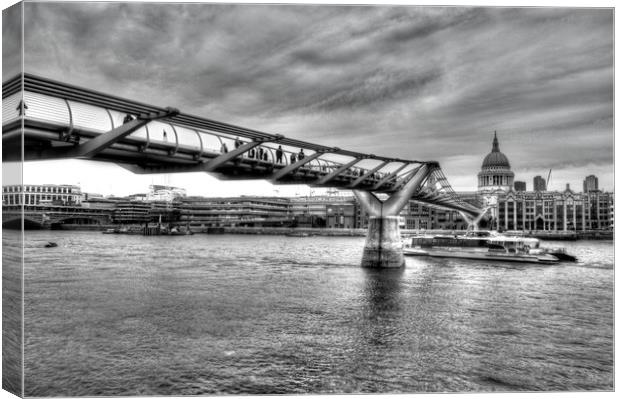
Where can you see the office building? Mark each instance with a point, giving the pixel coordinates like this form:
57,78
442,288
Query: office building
540,184
590,184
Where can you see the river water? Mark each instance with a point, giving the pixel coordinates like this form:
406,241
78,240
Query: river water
204,314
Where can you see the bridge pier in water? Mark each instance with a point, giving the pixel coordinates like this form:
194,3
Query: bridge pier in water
384,247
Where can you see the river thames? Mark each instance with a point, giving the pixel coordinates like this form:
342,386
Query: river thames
204,314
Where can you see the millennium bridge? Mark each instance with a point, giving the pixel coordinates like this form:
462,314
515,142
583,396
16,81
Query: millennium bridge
43,119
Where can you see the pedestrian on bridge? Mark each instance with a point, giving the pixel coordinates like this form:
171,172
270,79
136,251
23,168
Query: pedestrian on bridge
301,154
293,158
224,148
238,142
279,153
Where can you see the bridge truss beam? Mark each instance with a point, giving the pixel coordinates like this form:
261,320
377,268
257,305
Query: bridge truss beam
292,168
337,172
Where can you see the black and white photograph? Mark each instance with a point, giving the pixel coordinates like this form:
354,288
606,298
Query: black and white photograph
210,198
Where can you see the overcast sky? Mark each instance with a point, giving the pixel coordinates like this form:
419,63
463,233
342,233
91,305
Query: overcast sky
425,83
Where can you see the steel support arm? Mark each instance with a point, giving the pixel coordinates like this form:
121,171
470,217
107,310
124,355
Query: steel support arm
335,173
481,215
388,177
210,166
291,168
370,202
367,174
431,196
99,143
446,201
474,220
404,181
229,156
447,206
145,170
470,221
399,199
393,205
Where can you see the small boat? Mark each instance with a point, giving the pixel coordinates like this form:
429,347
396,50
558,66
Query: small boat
298,234
178,231
110,231
51,244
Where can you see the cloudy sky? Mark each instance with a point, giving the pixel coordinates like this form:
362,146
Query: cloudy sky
426,83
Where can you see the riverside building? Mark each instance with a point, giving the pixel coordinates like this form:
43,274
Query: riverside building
590,184
331,211
510,206
44,194
165,193
540,184
234,211
47,205
555,211
520,186
514,208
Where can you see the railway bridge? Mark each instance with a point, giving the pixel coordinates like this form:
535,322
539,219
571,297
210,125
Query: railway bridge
44,119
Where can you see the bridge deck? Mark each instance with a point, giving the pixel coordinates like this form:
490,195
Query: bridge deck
61,121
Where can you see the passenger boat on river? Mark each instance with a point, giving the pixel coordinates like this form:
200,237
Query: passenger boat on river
484,245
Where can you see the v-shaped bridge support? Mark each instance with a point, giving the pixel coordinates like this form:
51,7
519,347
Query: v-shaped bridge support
383,246
472,223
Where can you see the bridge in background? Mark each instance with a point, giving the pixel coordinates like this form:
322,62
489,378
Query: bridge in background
48,119
38,216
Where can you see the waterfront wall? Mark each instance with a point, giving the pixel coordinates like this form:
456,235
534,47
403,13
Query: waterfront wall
340,232
287,230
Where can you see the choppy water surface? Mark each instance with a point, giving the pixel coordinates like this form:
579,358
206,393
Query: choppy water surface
114,314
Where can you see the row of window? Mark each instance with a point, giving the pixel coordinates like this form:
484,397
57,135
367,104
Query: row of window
494,181
40,189
34,199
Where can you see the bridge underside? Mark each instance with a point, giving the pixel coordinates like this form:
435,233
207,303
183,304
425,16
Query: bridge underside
53,120
43,141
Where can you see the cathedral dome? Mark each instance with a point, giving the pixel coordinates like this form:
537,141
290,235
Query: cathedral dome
495,159
495,173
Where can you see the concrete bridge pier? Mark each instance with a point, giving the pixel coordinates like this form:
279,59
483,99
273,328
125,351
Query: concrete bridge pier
383,247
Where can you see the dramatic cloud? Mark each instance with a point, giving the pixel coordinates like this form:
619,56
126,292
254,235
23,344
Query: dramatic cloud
412,82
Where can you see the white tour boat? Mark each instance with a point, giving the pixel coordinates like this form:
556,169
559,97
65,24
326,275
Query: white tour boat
483,245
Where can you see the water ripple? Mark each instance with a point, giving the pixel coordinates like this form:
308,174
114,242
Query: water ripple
131,315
